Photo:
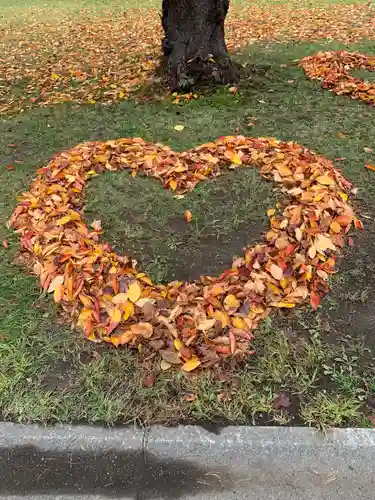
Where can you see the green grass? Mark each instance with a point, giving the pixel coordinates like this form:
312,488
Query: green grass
49,374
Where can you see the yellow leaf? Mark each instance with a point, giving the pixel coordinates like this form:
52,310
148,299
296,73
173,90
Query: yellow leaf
323,243
238,322
326,180
222,317
63,220
179,128
178,344
284,171
128,310
274,288
191,364
134,291
58,293
276,272
236,159
173,184
231,302
271,212
343,196
120,298
115,315
286,305
335,227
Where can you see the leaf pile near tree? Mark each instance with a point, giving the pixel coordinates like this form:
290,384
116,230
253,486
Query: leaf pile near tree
49,62
189,324
333,68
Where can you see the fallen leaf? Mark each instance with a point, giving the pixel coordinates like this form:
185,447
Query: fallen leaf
189,398
170,357
134,291
191,364
323,243
231,302
57,281
149,380
120,298
276,272
179,128
314,300
97,225
188,216
5,243
370,167
326,180
281,400
368,150
145,330
164,365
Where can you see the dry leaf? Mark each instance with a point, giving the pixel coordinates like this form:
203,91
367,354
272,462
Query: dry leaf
134,291
276,272
191,364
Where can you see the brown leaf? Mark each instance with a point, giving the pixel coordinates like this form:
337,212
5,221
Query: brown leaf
170,357
281,400
189,398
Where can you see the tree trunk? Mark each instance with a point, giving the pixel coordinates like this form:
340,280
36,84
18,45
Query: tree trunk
194,42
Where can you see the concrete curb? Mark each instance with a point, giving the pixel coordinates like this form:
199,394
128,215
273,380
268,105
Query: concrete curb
186,462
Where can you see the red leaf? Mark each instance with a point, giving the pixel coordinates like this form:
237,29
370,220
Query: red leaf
10,167
5,243
149,380
314,300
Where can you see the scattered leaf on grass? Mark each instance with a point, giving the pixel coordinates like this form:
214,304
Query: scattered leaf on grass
179,128
149,380
282,400
188,216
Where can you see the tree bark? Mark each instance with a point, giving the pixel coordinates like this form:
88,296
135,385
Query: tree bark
194,41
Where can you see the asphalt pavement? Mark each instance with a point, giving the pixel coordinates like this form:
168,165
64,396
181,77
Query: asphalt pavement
185,462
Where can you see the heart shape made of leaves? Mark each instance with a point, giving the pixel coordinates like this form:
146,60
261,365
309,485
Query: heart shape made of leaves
333,68
190,324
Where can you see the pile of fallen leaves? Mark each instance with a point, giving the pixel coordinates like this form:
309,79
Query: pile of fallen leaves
333,69
189,324
106,57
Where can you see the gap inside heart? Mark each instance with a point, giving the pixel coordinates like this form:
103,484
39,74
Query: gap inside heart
141,219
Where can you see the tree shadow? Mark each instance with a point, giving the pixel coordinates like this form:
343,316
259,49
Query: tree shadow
28,470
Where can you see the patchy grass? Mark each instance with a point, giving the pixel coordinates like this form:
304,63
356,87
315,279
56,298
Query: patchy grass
311,368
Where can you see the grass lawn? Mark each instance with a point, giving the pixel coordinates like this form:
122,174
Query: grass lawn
309,368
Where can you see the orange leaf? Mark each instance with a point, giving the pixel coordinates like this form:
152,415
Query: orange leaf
326,180
188,216
314,300
370,167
